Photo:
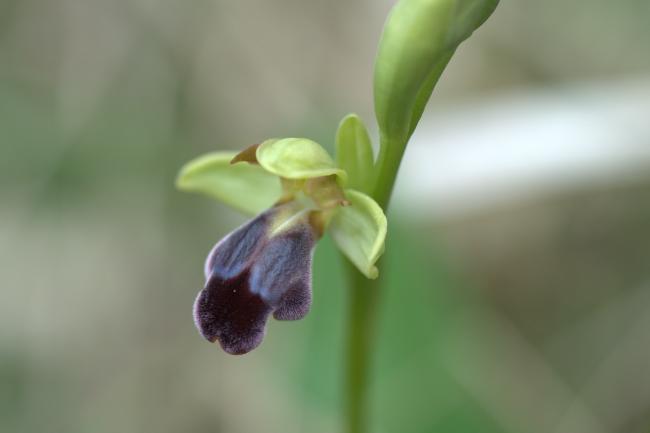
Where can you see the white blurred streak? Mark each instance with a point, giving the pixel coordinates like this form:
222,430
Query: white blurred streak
95,46
510,379
509,148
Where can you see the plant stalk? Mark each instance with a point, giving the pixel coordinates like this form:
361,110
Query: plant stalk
362,310
364,303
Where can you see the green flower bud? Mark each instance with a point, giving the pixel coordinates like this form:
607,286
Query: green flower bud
419,38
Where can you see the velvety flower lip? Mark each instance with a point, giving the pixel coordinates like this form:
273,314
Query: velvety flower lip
252,273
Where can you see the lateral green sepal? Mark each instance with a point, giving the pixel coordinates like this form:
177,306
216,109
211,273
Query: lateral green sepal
246,187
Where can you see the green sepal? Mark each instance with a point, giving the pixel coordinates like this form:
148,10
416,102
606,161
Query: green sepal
297,158
418,40
359,231
354,152
246,187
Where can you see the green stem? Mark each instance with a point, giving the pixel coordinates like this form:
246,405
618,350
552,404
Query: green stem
364,300
364,303
388,162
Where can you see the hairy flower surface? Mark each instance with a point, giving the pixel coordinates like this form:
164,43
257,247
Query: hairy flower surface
264,266
252,273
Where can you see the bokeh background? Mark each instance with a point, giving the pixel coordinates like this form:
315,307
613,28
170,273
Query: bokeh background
517,294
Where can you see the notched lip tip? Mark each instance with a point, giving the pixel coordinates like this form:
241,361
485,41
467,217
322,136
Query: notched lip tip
236,350
208,338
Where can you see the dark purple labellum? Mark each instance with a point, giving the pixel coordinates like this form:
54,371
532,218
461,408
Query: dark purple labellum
251,274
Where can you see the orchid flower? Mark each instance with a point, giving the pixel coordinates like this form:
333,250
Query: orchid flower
298,193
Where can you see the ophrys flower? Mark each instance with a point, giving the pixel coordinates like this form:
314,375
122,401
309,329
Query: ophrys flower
299,193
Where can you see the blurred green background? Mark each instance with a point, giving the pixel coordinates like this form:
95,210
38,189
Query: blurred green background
518,279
